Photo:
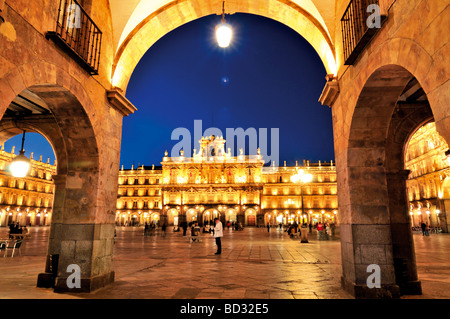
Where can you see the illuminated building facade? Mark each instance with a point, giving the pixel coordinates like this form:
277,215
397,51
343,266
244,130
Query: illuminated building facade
429,179
213,183
26,200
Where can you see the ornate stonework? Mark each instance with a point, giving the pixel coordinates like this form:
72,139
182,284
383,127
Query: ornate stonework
428,183
232,187
26,200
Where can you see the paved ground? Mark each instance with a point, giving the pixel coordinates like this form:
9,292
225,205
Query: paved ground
254,264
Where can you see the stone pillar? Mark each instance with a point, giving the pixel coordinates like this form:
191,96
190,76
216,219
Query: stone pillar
260,219
76,238
181,218
163,218
402,238
444,215
240,218
366,234
222,218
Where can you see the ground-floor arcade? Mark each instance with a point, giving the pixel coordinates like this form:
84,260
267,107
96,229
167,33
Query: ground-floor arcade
174,215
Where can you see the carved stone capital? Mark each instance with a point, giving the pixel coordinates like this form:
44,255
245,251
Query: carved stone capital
400,174
120,102
59,179
330,91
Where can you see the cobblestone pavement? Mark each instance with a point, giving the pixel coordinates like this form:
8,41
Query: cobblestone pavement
254,264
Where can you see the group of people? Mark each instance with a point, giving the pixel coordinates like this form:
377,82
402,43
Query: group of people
15,228
324,230
293,229
214,227
216,230
150,229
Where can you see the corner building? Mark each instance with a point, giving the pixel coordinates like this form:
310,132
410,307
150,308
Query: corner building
233,188
428,184
28,200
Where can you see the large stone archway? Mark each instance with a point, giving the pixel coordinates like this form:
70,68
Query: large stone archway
83,124
375,220
81,233
369,129
171,14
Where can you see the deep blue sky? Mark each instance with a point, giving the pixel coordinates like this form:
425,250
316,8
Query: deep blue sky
270,77
273,80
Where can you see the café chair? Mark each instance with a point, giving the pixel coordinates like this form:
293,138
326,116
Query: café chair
15,245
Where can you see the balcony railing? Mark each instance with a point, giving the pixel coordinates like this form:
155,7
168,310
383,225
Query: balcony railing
76,32
361,21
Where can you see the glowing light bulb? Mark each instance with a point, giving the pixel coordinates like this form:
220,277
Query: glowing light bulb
20,166
224,33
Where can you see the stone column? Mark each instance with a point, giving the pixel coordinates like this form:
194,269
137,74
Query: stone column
163,218
366,233
76,239
401,232
444,215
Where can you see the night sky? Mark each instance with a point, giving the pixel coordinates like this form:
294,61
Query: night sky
270,77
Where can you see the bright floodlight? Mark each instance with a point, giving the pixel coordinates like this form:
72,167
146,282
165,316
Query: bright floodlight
223,35
20,166
306,178
295,178
302,177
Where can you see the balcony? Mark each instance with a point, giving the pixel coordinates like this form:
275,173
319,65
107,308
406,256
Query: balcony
77,35
361,21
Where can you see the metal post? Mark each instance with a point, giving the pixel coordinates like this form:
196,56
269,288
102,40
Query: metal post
301,191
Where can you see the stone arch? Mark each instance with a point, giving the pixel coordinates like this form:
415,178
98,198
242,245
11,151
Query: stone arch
177,13
446,188
79,215
209,215
250,217
375,215
50,131
230,215
411,57
192,215
172,216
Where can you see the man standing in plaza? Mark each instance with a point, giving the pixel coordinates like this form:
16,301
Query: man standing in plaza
218,233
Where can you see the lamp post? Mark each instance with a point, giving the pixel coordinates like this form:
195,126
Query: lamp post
302,178
20,165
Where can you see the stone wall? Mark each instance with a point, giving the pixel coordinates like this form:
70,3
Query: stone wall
86,132
411,43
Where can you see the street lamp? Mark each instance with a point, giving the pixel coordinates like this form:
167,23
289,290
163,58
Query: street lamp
301,178
224,32
20,165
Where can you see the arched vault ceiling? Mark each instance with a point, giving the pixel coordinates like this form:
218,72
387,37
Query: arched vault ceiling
138,24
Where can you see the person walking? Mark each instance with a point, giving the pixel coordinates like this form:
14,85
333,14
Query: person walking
325,231
424,228
218,234
268,227
184,225
333,229
163,229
